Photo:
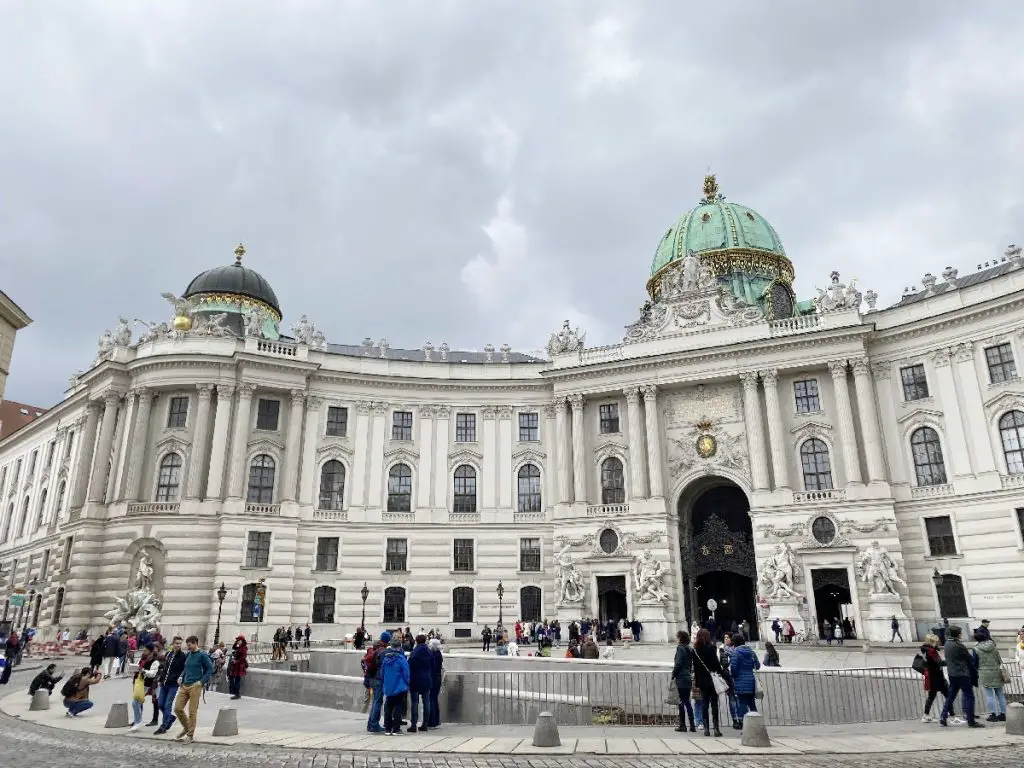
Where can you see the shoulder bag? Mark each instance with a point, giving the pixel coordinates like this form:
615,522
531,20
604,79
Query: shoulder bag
721,686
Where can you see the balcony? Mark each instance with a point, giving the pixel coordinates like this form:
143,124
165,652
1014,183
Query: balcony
931,491
332,515
275,348
154,508
814,497
528,517
398,517
1013,481
603,510
790,325
265,510
464,517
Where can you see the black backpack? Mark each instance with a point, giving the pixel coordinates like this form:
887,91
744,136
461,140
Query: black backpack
919,664
70,688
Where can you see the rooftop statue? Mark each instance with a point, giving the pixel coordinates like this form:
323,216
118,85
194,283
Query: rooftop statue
566,340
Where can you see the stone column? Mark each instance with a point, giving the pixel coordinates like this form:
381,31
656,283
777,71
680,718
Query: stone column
293,443
636,444
973,411
442,438
219,448
777,440
426,440
548,437
378,442
562,451
121,435
579,459
198,463
887,405
844,413
504,472
653,441
488,491
361,453
240,441
101,459
956,458
869,420
140,443
85,455
308,480
755,431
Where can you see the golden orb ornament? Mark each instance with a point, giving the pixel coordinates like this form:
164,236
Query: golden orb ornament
182,323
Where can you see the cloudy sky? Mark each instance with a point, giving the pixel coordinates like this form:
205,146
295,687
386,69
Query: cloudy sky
474,172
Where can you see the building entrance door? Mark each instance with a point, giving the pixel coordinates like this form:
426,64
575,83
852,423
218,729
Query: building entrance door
611,598
832,598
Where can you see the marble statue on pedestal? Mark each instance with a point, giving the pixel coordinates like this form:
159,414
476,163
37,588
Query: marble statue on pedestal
568,578
779,574
877,567
648,575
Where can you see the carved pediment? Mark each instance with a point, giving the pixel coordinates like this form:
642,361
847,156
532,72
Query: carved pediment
403,448
265,445
529,454
1005,401
613,444
811,429
334,446
926,415
465,455
173,443
401,453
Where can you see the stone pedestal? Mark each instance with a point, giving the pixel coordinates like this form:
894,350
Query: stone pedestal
783,610
655,623
227,722
40,701
545,731
118,715
569,612
877,626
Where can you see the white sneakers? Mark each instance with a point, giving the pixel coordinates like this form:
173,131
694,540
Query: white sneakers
135,726
927,719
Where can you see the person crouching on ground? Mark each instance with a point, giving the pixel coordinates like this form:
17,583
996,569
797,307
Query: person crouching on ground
45,679
76,691
395,676
420,664
198,670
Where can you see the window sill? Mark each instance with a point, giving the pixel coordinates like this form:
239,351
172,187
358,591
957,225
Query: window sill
474,443
616,433
958,556
919,401
396,573
254,568
332,570
818,412
463,573
336,437
273,431
528,573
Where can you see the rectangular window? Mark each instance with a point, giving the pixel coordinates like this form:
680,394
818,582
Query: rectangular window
462,605
609,418
44,565
32,462
397,555
70,444
327,553
267,414
915,382
17,472
1000,363
177,413
465,427
529,554
940,536
49,453
1020,521
463,559
529,427
401,425
257,553
65,561
337,421
806,393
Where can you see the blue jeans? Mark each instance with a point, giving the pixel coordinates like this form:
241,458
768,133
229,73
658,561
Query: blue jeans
416,697
996,699
77,707
745,702
165,703
435,706
373,721
137,711
956,685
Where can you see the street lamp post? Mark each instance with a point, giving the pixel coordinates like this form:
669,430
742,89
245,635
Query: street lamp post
364,593
501,616
221,594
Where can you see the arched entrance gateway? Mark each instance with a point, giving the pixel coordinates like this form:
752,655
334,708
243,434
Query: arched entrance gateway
717,553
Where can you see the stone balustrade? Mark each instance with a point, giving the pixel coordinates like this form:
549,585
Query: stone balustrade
154,508
603,510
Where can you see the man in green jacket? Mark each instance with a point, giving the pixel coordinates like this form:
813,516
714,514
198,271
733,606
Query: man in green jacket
198,671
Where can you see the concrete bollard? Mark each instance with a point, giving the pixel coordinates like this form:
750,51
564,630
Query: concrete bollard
227,722
118,715
1015,720
40,701
755,734
545,732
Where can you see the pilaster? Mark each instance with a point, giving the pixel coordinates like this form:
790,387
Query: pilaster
653,441
308,480
638,489
579,466
360,456
240,441
869,420
219,448
442,429
489,487
101,459
504,467
292,456
562,451
426,439
959,460
378,441
972,410
755,431
777,440
200,441
844,413
140,442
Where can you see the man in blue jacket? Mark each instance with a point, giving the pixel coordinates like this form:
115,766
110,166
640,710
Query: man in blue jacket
420,664
394,671
197,673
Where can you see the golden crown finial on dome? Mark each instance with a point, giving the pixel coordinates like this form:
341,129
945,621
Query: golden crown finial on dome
711,191
239,253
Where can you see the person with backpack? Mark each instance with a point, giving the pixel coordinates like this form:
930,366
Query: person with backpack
394,671
76,691
962,677
373,683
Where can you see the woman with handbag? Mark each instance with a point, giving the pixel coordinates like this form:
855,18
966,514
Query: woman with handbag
708,674
990,677
682,675
142,684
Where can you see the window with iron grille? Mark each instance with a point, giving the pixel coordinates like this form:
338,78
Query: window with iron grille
465,427
529,488
323,605
952,601
1011,433
261,480
463,555
396,555
337,421
169,479
327,553
941,542
462,604
817,468
1000,363
399,488
332,485
529,554
257,552
401,425
267,414
529,427
915,382
928,462
394,605
609,413
806,393
248,603
177,413
613,483
529,603
464,497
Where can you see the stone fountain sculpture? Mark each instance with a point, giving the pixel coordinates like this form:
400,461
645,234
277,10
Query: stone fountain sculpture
139,608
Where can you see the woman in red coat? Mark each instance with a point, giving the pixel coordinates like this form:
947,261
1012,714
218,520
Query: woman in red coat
237,666
934,679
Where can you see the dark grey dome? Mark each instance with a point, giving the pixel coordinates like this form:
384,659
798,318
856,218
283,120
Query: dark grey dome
235,280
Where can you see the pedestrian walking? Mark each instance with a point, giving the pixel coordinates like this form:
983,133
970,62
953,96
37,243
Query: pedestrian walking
682,675
990,676
198,669
436,677
167,677
961,674
895,624
707,665
486,635
934,678
743,665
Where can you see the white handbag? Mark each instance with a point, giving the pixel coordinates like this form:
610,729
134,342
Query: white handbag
721,686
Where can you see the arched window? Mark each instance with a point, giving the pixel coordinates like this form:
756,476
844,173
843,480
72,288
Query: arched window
400,488
9,521
323,605
465,489
22,526
261,480
332,485
59,506
462,605
928,463
42,508
529,603
1011,432
394,605
529,488
58,606
816,465
169,479
952,601
613,484
249,612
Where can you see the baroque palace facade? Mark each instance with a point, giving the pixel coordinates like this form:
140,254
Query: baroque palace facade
739,448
